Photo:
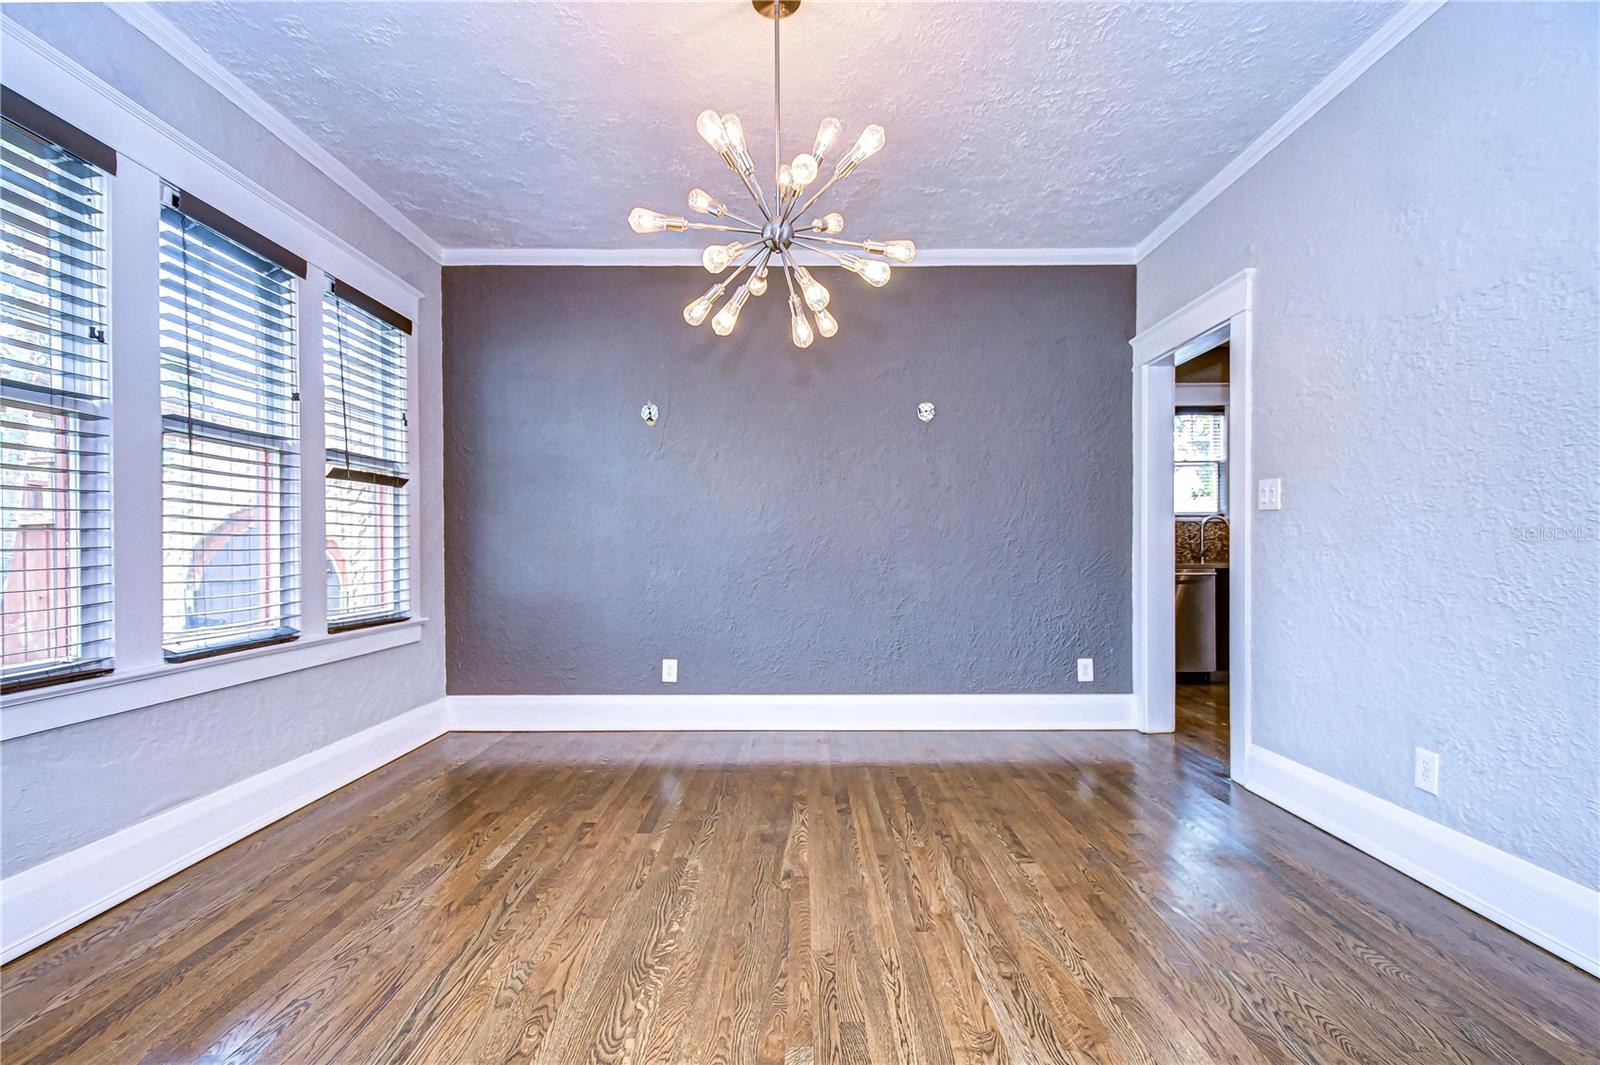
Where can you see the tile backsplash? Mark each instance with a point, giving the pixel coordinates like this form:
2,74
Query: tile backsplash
1188,543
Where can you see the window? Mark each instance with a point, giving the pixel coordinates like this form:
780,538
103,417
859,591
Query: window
55,490
1200,461
364,390
229,517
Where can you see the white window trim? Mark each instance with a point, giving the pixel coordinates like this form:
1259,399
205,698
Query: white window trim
150,151
131,689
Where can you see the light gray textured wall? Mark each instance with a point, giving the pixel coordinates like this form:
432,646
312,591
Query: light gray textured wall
70,786
789,526
1426,384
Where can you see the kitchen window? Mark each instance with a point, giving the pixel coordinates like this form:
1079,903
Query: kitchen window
1200,461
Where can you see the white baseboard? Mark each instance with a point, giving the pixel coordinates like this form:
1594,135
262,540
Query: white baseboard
1542,907
43,901
786,713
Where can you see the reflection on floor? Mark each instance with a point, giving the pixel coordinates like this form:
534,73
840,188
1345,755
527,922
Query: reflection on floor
795,898
1203,723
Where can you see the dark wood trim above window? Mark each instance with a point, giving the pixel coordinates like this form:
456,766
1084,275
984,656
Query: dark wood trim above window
354,296
41,123
193,207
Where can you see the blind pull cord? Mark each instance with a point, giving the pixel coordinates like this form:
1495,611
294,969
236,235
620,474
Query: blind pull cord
188,355
344,396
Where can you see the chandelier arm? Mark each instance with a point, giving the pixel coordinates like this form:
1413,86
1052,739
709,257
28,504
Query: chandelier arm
743,265
794,197
788,273
761,194
755,193
713,226
766,258
815,196
810,245
755,226
842,243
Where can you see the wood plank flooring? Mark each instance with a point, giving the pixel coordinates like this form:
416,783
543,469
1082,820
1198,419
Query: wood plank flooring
796,899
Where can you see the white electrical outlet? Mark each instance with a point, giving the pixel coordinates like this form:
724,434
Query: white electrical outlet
669,671
1269,494
1085,670
1427,770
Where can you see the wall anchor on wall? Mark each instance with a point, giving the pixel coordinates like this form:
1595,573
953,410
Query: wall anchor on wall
925,412
649,412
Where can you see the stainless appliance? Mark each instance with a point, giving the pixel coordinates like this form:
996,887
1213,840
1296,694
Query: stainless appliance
1196,611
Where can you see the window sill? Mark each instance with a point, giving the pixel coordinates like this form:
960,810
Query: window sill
47,708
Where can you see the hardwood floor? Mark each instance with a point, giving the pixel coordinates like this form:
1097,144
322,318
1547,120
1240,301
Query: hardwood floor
796,899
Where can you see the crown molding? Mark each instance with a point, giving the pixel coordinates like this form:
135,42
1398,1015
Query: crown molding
1390,34
165,35
170,39
681,256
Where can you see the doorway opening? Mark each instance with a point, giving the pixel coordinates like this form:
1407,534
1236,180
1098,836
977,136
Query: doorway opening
1192,477
1200,518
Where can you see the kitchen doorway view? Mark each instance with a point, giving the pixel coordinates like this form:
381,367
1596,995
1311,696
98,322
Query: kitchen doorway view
1201,530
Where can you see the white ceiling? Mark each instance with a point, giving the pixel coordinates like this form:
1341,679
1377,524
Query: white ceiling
1010,125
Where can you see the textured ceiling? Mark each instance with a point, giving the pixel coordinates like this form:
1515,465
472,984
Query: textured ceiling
1010,125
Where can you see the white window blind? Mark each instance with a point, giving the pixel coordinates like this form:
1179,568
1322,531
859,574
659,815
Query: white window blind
55,492
1200,455
364,388
230,425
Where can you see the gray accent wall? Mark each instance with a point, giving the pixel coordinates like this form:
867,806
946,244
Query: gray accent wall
1427,376
789,526
71,786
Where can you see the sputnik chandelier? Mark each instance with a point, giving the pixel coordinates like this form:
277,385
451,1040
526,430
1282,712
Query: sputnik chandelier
780,233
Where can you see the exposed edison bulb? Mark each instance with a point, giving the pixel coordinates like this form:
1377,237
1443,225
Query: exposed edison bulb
696,312
733,129
785,178
644,220
717,257
800,330
901,251
728,317
815,294
867,145
709,124
874,272
871,141
830,223
702,201
827,324
804,169
827,137
758,284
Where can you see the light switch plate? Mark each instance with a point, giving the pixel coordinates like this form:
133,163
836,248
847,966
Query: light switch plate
1269,494
1427,774
669,671
1085,670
